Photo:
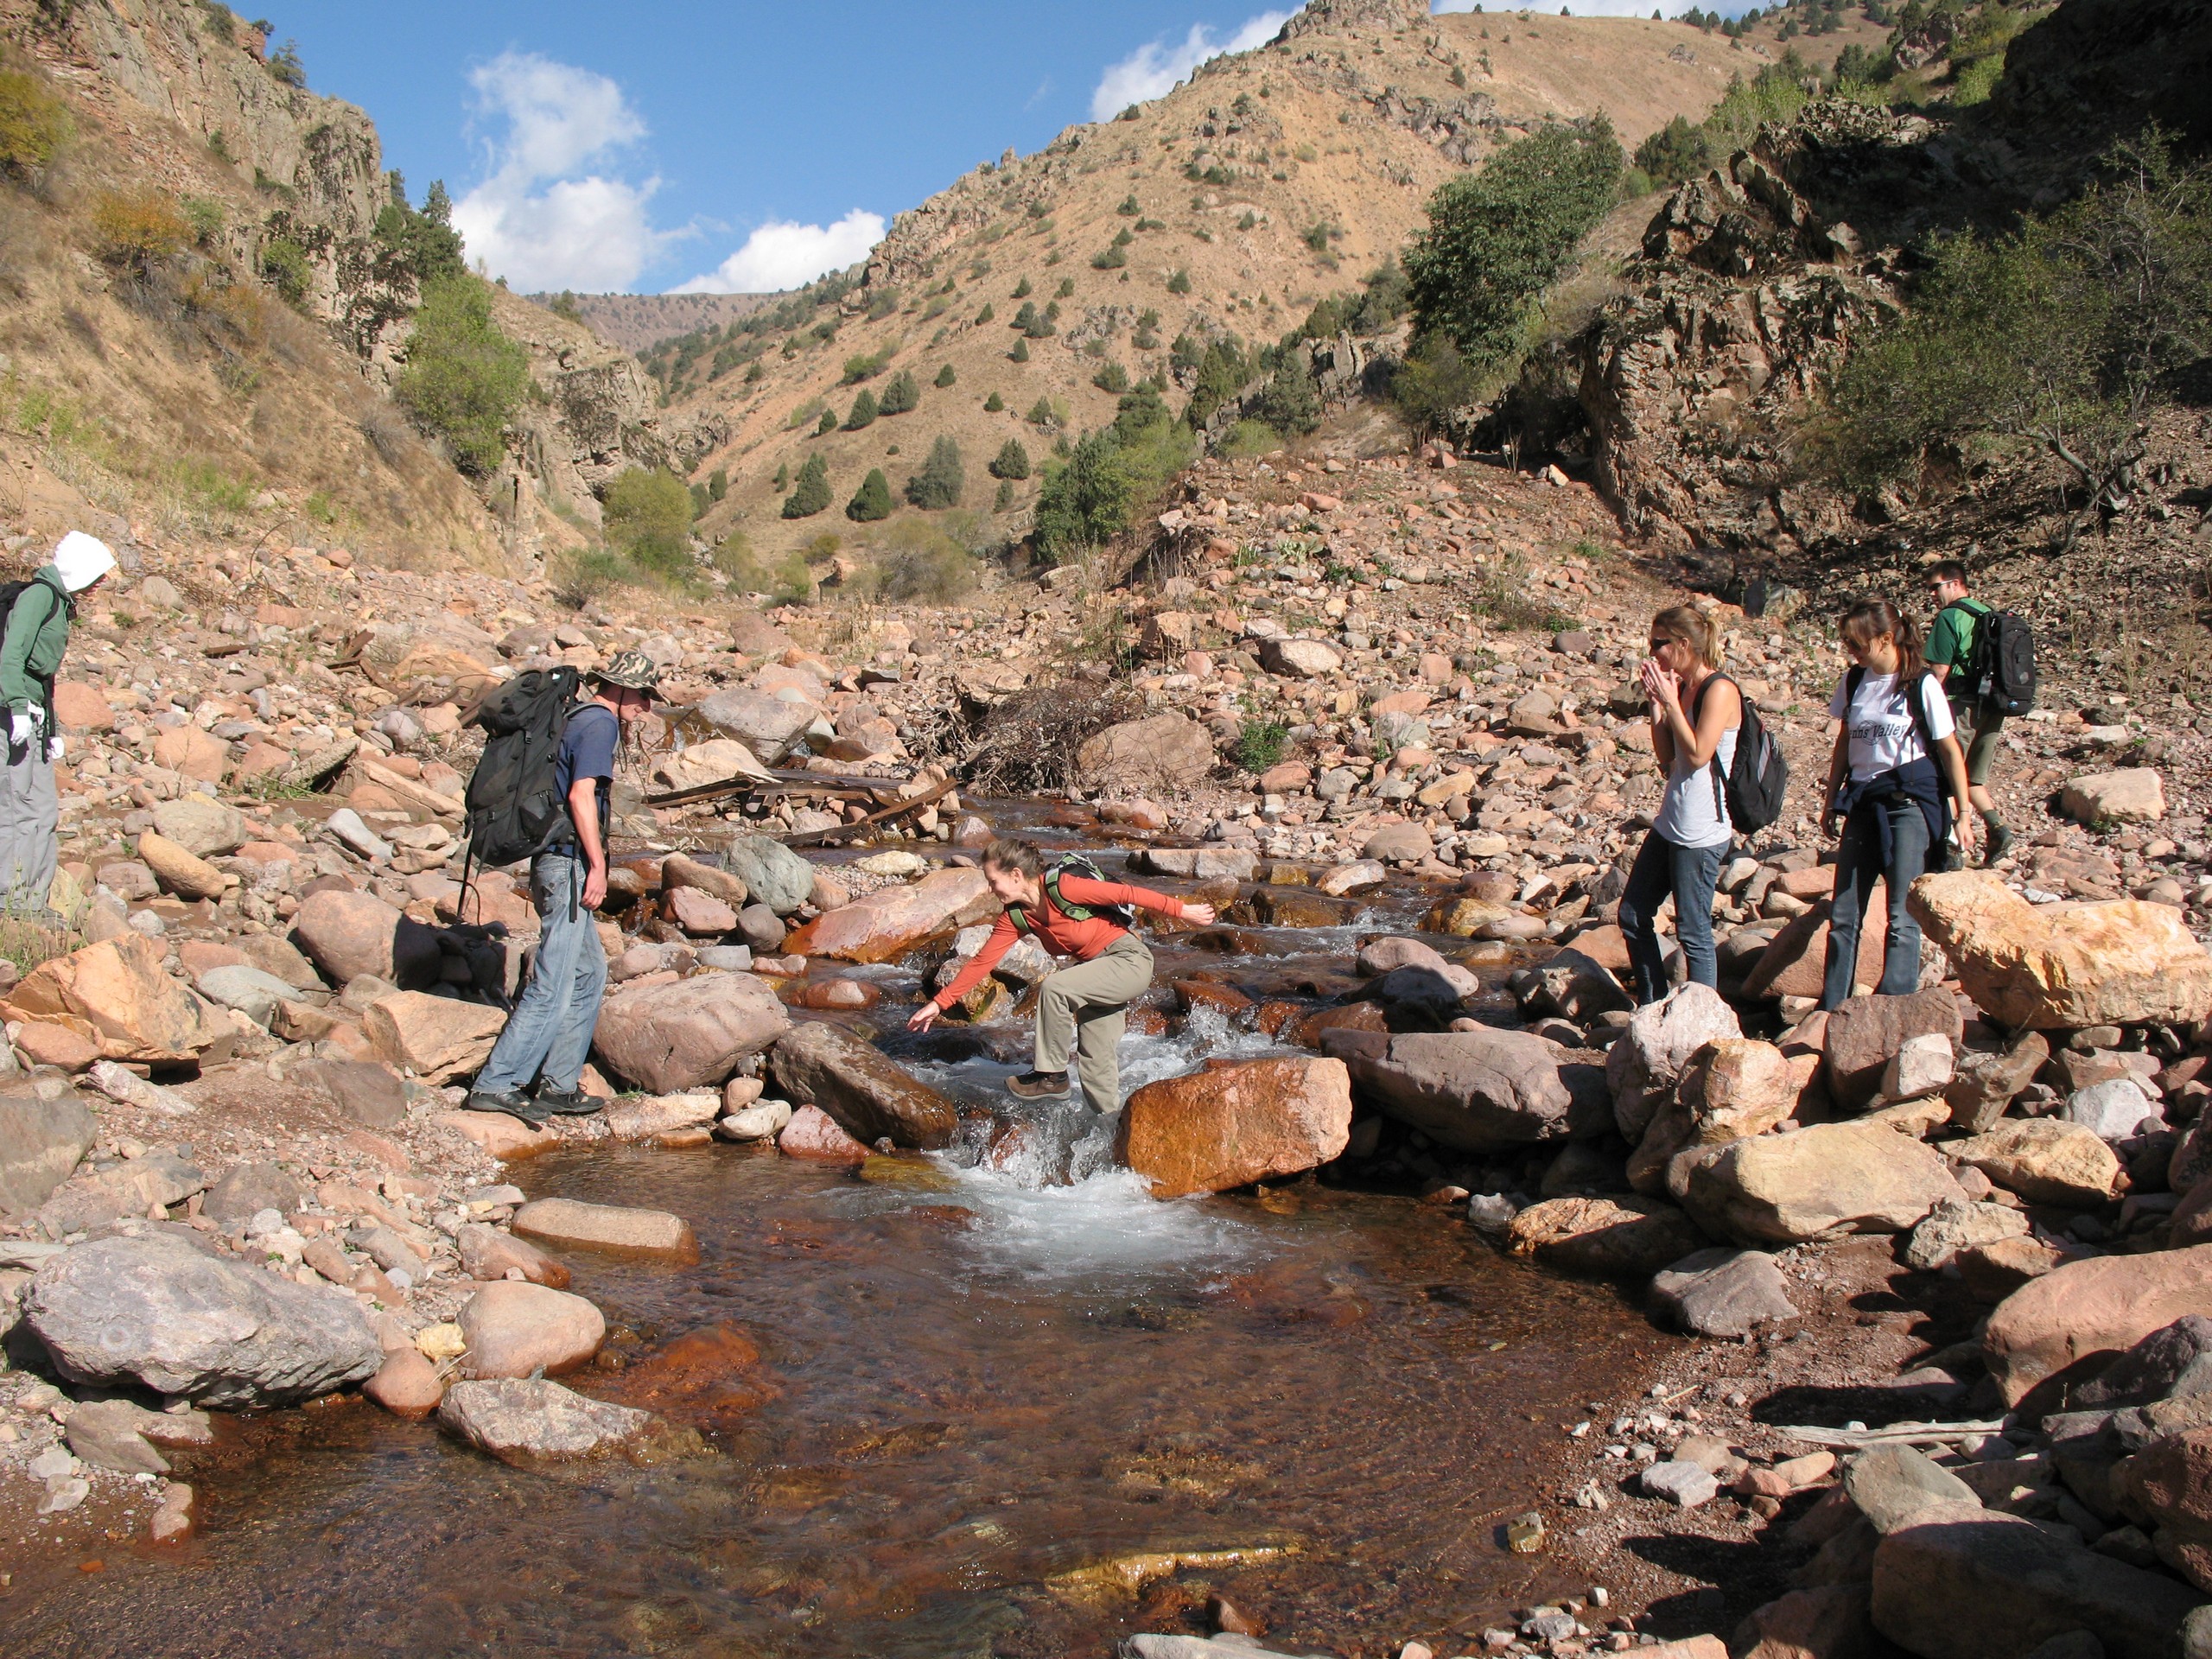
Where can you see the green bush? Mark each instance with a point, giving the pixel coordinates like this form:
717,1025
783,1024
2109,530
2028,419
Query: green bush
1498,238
1289,402
787,582
827,424
901,394
1020,351
917,562
1012,461
718,484
782,480
284,262
33,121
1004,500
204,215
1249,439
993,404
284,64
423,245
1223,368
1682,149
985,315
1129,209
1092,495
1113,378
1109,259
1042,414
945,377
940,480
1260,743
648,516
862,368
810,490
1022,290
464,379
1066,290
1433,383
864,411
579,578
871,501
1179,282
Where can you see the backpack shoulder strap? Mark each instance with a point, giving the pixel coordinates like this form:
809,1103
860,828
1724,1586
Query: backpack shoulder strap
1713,766
1916,699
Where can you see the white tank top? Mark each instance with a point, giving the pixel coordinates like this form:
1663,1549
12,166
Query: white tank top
1688,816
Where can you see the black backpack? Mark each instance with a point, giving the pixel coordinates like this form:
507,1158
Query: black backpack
2002,673
1757,776
12,591
514,806
1119,915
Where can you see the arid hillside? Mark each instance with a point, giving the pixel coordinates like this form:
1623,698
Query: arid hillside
1271,180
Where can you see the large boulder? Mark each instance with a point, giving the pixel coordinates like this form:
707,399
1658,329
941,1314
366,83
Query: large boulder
607,1226
672,1038
1481,1091
2044,1161
1300,659
436,1038
1723,1292
40,1142
164,1314
514,1328
768,725
1197,863
2057,967
1648,1058
2071,1322
179,872
870,1096
252,993
1981,1584
716,760
202,825
1795,962
1624,1237
527,1421
1867,1032
1818,1183
891,921
2132,795
347,934
116,993
133,1188
772,874
2169,1482
1236,1122
1162,751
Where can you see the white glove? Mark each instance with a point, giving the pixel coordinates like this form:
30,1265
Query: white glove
54,748
22,726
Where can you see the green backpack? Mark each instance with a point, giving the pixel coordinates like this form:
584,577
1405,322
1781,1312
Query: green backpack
1120,915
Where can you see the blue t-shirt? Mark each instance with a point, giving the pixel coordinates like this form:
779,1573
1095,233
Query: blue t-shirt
587,750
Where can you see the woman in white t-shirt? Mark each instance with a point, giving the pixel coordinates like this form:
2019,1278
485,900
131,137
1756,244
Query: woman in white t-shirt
1695,715
1896,778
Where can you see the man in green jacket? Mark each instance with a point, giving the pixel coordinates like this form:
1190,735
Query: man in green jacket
31,643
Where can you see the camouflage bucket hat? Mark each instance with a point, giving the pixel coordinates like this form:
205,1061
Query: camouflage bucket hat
633,671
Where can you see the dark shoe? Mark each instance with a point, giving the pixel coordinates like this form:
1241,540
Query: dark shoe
2000,842
1035,1085
514,1104
569,1102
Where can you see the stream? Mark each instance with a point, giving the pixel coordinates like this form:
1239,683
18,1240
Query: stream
935,1403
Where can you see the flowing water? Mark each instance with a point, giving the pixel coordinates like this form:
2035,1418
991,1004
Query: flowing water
939,1404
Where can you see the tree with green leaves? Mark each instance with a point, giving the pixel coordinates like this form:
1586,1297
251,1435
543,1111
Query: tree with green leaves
718,484
985,315
1025,319
945,377
942,478
1179,282
1020,351
1288,402
1498,238
993,404
464,380
1041,413
810,490
828,423
1022,290
871,501
1004,500
783,479
1012,461
647,514
423,245
901,394
864,411
1129,209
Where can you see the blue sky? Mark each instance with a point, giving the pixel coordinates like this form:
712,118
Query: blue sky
735,146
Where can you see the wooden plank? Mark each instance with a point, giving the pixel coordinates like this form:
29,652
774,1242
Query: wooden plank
836,833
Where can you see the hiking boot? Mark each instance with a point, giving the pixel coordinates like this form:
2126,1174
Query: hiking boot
569,1102
1035,1085
2000,842
513,1102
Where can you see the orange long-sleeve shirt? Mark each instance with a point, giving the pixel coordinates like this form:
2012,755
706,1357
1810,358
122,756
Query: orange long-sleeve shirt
1061,934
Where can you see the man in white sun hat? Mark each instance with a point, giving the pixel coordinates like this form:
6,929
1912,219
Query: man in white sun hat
32,640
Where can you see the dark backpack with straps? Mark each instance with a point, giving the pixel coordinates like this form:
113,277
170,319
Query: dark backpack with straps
1119,915
2004,672
514,805
1750,797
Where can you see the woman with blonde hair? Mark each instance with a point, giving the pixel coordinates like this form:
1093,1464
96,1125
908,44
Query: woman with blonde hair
1886,786
1696,712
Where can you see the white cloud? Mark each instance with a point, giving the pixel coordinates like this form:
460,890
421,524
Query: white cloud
1598,7
781,254
1154,68
533,220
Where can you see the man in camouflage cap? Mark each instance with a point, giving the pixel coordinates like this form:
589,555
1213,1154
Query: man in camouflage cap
536,1067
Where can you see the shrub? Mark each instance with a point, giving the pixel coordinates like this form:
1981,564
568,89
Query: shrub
718,484
945,377
993,404
140,229
1113,378
1041,413
1179,282
34,123
581,578
648,516
463,379
1004,498
827,424
787,582
1022,290
1065,290
1109,259
206,218
985,315
1682,150
1288,402
917,562
1317,238
1020,351
1496,238
1249,439
861,368
810,490
1012,461
284,64
942,478
424,245
1129,209
782,480
871,501
1092,494
864,411
1433,383
901,393
1223,368
284,262
1025,319
1259,744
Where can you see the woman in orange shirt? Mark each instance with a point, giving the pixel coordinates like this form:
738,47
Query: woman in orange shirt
1084,1005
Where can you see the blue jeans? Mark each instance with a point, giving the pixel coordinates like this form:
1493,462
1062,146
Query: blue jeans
1690,874
548,1037
1858,862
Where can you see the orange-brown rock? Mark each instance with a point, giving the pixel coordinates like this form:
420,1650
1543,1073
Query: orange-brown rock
116,993
1236,1122
2079,1317
436,1038
890,921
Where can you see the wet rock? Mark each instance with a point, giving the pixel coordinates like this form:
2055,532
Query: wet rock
1868,1031
112,1434
1577,987
772,873
1387,955
867,1094
1197,863
1724,1292
813,1134
116,993
2132,795
606,1227
641,1117
1236,1122
164,1314
487,1253
501,1137
2074,1320
513,1330
247,1190
1817,1183
762,1121
436,1038
524,1421
1479,1090
887,923
2044,1161
1896,1486
347,934
1648,1058
1625,1238
1355,877
40,1142
2060,966
1994,1587
1956,1225
673,1038
406,1384
1163,751
366,1092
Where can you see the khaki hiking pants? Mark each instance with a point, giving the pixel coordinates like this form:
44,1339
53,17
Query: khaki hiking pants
1087,1005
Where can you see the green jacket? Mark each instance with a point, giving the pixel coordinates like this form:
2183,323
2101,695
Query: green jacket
36,634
